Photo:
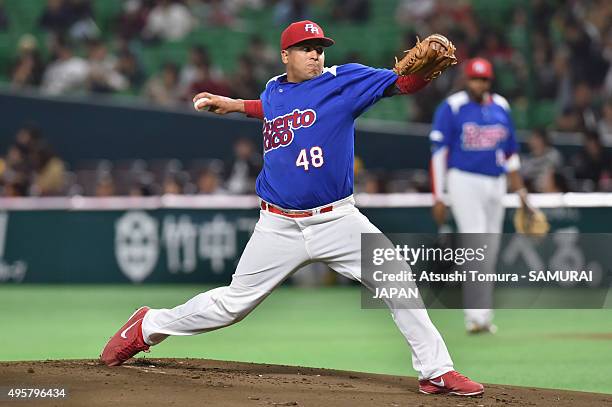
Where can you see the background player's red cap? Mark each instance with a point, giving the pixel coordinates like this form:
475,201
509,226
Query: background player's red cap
302,31
479,68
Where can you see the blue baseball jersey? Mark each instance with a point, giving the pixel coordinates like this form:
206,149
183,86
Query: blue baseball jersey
309,131
479,137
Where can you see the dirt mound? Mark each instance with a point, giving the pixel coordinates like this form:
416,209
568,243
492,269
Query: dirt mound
189,382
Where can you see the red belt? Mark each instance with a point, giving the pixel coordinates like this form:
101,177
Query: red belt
294,214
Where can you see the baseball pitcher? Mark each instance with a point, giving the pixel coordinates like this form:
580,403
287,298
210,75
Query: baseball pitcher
307,212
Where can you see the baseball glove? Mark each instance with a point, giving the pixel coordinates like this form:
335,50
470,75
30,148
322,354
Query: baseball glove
530,222
428,58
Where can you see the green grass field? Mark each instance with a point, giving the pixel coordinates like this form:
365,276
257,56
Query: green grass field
323,327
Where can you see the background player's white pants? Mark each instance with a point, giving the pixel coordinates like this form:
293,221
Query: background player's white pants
278,247
476,203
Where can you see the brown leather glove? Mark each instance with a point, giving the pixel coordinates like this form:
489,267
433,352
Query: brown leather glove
428,58
530,222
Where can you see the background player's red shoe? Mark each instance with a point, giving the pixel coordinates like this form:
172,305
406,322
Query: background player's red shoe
452,383
127,342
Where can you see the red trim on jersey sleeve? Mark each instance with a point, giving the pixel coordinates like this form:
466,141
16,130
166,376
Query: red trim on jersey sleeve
254,108
410,83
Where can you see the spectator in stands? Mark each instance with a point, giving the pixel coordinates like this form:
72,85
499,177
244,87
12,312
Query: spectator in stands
28,141
105,185
28,138
17,159
518,34
66,73
103,76
546,79
287,11
169,20
128,67
198,57
372,184
132,20
163,89
604,126
607,88
83,26
173,184
409,12
243,168
204,82
15,185
209,182
562,71
243,83
588,63
495,48
28,69
4,21
580,114
418,181
30,161
354,11
57,17
542,159
593,163
555,182
543,10
220,14
15,172
141,189
19,154
267,59
49,172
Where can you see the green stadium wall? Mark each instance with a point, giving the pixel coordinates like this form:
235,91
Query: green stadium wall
177,245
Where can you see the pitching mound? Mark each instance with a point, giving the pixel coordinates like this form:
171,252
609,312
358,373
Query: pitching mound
189,382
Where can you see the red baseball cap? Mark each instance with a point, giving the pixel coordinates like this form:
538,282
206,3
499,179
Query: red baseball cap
479,68
302,31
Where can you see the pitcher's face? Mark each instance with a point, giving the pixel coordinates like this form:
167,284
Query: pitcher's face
304,61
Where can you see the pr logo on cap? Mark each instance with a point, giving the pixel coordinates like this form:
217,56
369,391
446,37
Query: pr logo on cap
479,68
302,31
312,28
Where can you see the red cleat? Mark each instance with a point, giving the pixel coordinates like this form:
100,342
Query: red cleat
127,342
451,383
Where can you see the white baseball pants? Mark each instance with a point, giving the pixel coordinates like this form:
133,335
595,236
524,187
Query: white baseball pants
476,203
278,247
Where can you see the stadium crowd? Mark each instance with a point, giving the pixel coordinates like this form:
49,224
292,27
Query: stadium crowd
31,168
555,50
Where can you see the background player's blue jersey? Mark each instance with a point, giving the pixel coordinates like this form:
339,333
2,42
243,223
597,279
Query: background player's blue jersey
479,137
308,134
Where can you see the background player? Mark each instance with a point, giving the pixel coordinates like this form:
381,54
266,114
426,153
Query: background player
307,209
473,148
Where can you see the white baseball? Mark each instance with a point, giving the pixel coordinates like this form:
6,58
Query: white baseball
198,103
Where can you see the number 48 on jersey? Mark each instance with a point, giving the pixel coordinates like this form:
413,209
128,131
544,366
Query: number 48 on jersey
315,158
